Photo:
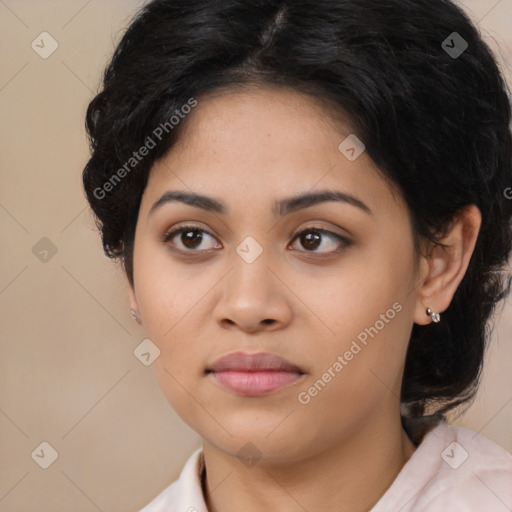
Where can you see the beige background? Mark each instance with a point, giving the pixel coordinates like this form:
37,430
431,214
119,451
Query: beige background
68,375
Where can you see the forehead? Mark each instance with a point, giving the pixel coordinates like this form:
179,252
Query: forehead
276,120
250,146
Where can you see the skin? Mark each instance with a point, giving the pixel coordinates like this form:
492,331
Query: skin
306,303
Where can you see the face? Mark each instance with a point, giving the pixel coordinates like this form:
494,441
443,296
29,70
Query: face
325,284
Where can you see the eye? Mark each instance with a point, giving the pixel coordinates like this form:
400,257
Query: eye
313,238
310,238
191,238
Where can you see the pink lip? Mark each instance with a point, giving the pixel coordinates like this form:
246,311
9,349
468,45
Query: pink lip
254,374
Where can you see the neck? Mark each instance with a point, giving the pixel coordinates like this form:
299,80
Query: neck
350,475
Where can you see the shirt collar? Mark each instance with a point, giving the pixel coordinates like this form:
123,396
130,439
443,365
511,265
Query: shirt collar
190,494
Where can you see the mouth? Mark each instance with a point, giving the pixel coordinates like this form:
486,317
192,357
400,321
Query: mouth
254,374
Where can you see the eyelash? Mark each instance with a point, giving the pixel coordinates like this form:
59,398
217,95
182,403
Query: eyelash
344,241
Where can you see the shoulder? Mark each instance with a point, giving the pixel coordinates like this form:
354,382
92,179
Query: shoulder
481,453
185,494
475,473
453,469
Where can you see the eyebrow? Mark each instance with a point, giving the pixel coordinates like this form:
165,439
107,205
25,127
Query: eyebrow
279,208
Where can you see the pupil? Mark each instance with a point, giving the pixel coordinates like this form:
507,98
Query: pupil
189,238
310,240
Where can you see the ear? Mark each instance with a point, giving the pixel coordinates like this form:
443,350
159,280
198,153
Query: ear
444,267
133,302
132,298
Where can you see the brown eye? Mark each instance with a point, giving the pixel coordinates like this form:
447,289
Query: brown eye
191,238
310,240
313,238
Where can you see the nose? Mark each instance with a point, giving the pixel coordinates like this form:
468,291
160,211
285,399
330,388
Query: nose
254,297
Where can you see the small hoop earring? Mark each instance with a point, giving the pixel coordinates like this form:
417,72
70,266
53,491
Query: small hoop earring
135,316
435,317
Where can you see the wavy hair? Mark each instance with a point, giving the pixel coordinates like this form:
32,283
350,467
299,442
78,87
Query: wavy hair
436,124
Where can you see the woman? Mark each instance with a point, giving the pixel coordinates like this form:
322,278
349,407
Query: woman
309,202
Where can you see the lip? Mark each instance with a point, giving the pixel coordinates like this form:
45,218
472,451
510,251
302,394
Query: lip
254,374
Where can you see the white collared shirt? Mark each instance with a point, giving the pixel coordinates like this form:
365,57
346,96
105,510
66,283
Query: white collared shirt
452,470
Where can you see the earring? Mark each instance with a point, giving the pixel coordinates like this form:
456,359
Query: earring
435,317
135,316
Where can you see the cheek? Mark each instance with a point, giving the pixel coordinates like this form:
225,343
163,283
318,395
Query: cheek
165,293
179,370
169,294
358,371
347,303
364,312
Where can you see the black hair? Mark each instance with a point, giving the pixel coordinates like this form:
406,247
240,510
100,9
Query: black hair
420,88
